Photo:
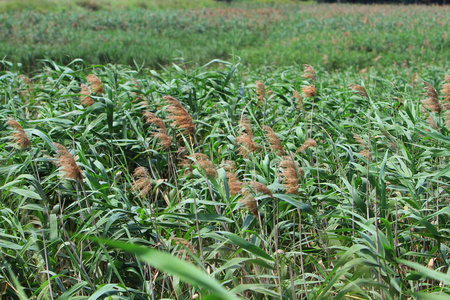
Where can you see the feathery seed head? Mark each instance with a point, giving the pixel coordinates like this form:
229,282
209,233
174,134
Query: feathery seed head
179,115
96,84
86,100
142,182
310,91
309,73
67,163
152,118
299,99
274,140
360,90
261,188
432,103
250,203
204,162
359,140
261,92
289,174
307,144
19,137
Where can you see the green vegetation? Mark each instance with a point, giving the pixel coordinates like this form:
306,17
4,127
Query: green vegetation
264,35
330,185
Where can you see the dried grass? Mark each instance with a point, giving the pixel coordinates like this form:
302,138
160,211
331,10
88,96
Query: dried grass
19,137
360,90
68,164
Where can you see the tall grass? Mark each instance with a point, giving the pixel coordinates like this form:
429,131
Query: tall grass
344,197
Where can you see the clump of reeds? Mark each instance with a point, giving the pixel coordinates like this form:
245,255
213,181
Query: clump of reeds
274,140
360,90
142,182
67,163
86,100
179,115
95,83
19,137
261,91
161,135
299,98
290,171
234,184
310,91
309,73
205,163
432,102
308,144
246,139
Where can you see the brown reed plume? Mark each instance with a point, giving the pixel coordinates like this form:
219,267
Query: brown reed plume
274,140
142,182
261,91
246,139
289,175
366,153
359,140
179,115
299,100
360,90
67,163
162,136
432,102
446,89
19,137
261,188
309,73
205,163
86,100
95,83
307,144
234,184
310,91
250,203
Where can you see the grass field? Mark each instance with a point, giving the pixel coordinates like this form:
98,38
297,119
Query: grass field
255,177
260,35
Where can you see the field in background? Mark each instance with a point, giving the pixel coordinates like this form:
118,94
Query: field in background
335,36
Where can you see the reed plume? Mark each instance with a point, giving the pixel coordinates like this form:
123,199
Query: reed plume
162,136
86,100
246,139
366,153
95,83
432,102
299,100
307,144
359,140
261,188
250,203
446,88
310,91
19,137
360,90
309,73
274,140
289,174
204,163
67,163
234,184
179,115
261,91
142,182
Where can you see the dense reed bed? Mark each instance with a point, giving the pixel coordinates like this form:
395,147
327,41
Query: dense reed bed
219,183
